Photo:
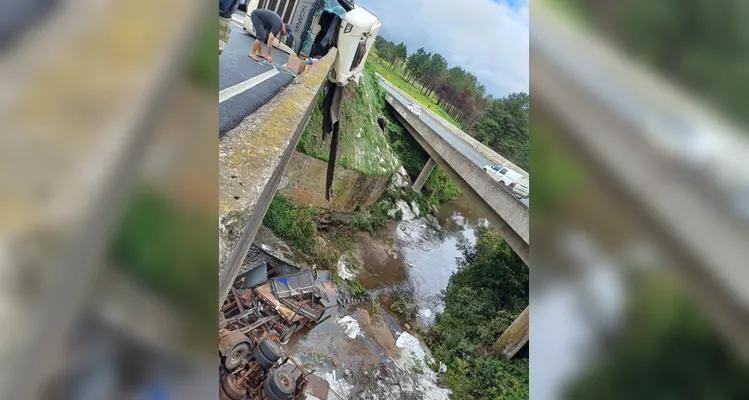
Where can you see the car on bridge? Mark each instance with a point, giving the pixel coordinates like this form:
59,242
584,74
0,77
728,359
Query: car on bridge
414,109
512,181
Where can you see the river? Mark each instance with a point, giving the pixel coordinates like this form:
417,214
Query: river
409,259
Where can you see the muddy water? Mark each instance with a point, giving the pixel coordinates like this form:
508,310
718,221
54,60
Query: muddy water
415,259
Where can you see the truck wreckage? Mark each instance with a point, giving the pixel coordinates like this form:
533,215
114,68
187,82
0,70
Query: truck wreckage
260,314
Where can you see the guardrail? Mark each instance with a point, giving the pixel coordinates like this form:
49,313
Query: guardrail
252,159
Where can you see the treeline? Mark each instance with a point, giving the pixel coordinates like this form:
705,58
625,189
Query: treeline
482,299
501,124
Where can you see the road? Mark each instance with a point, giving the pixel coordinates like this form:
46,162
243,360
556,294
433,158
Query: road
447,135
244,84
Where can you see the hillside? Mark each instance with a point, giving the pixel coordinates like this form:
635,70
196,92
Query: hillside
362,146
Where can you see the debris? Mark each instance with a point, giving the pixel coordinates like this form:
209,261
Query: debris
443,368
343,271
350,326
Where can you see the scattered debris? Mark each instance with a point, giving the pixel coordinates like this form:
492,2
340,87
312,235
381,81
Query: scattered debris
350,326
404,208
343,271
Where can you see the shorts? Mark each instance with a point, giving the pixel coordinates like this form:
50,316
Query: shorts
261,33
224,31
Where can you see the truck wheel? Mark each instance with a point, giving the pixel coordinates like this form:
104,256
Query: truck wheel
235,356
270,349
279,385
289,332
261,358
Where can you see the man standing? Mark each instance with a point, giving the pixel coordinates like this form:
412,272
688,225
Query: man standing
267,26
225,9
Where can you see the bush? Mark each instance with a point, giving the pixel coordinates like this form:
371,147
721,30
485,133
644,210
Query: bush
482,299
292,223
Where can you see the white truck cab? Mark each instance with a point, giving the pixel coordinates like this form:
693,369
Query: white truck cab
511,180
319,25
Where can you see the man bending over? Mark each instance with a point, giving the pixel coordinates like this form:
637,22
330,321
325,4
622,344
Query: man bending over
267,26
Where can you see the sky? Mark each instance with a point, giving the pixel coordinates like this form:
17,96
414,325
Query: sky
486,37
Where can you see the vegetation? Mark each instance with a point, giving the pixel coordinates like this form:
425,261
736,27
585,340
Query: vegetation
362,145
204,68
667,350
485,295
373,218
413,89
296,225
503,126
170,250
438,188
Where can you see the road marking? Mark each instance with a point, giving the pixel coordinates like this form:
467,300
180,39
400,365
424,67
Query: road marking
230,92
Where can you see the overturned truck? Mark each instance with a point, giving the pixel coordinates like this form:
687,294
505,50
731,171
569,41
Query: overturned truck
258,314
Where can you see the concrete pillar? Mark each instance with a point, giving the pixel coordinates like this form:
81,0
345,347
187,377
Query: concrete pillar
514,338
424,175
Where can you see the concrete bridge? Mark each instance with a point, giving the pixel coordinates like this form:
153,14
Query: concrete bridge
463,164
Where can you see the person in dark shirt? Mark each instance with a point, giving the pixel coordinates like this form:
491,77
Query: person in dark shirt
268,25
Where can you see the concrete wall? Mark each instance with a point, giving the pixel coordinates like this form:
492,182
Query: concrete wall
304,183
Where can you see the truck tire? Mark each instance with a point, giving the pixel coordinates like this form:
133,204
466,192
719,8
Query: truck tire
279,385
270,349
261,358
235,356
290,332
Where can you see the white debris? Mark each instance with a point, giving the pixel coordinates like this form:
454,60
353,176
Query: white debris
425,313
404,208
415,208
399,180
412,347
443,368
350,326
343,271
339,386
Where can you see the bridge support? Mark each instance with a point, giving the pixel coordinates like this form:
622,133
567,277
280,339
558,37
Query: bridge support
424,175
514,337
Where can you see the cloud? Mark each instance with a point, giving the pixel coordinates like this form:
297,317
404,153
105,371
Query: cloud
487,38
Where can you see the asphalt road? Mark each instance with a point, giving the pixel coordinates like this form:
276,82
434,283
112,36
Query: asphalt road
244,84
458,144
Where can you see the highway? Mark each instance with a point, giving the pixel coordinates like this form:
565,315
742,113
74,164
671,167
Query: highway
244,84
446,134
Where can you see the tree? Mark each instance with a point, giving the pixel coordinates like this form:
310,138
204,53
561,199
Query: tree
489,290
504,126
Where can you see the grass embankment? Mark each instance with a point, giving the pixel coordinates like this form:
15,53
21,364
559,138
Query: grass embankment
397,78
485,295
362,146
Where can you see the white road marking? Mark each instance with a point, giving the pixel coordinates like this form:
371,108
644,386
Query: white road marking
241,87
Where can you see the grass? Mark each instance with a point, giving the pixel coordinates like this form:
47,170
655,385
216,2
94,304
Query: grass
396,78
362,146
297,226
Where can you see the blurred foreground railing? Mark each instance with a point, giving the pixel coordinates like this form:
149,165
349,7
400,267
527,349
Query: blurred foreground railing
613,114
79,94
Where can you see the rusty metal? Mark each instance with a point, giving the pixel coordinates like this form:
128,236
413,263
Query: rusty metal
237,300
228,339
235,391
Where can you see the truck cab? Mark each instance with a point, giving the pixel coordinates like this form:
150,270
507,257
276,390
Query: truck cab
319,25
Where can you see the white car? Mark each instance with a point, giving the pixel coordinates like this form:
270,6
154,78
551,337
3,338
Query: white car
512,181
414,109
